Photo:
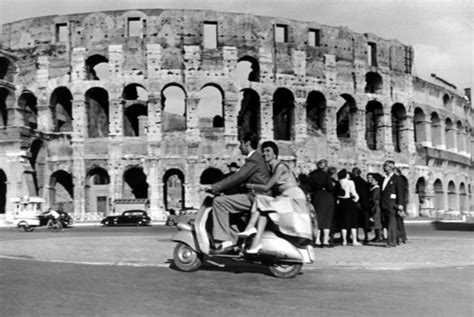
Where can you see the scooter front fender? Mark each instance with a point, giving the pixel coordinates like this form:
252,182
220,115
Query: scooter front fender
187,237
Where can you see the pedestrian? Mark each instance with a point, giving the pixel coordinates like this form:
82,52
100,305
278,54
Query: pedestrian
391,200
348,208
402,235
321,188
374,206
338,191
363,190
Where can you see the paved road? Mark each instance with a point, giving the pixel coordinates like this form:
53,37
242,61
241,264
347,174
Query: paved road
354,281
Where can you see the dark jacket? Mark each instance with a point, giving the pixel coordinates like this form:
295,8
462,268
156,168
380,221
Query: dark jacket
363,190
254,171
392,195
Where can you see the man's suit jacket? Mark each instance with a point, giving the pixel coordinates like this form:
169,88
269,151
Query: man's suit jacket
392,195
363,190
254,171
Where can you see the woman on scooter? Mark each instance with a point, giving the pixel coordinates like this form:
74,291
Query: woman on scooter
287,208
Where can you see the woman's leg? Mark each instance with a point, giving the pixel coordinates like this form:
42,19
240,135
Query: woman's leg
318,238
253,220
344,236
262,223
354,236
326,237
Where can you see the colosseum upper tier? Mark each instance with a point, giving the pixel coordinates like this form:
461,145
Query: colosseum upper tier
146,105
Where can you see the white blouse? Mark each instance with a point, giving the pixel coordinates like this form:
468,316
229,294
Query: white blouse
349,188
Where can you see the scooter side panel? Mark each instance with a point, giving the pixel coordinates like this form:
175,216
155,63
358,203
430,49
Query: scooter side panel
273,244
186,237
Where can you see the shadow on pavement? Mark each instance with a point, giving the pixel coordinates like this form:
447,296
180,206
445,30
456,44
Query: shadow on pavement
453,226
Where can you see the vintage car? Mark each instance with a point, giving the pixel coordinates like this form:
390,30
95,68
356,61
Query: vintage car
127,218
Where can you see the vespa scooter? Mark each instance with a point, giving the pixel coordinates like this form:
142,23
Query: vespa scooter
283,258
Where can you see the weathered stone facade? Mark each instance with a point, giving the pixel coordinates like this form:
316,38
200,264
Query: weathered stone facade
85,117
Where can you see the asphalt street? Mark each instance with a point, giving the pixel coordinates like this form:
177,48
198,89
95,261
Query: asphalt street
94,271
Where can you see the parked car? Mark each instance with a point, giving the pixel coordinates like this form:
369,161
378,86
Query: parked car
129,217
66,219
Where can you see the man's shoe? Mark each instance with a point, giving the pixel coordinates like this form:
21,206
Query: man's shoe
247,233
224,247
254,250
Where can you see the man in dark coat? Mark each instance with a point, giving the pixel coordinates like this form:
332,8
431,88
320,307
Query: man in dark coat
402,235
391,200
254,171
363,190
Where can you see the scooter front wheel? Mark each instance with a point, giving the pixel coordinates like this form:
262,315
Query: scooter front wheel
186,259
285,270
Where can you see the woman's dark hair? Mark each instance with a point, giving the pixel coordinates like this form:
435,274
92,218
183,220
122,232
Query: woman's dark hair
342,174
378,178
271,145
332,170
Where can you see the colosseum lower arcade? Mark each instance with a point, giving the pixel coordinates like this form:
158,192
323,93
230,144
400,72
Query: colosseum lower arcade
147,105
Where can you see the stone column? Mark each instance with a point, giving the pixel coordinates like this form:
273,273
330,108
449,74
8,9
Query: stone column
79,113
266,117
357,128
461,141
428,138
451,135
386,133
154,117
78,62
78,178
116,117
331,122
192,118
231,113
407,133
440,127
301,131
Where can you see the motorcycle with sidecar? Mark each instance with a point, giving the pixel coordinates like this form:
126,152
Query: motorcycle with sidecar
282,255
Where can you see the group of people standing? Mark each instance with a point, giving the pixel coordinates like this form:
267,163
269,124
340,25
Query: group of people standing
345,202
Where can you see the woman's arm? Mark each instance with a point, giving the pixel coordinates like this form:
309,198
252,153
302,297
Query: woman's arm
353,191
271,182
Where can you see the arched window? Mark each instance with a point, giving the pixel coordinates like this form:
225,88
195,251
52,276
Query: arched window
3,191
135,185
211,107
420,121
97,68
316,112
28,103
97,107
463,198
439,195
460,136
399,117
249,115
452,196
61,101
62,191
173,190
373,83
4,65
173,103
210,176
4,93
283,114
450,135
97,191
135,92
374,125
248,69
446,100
345,116
38,164
436,129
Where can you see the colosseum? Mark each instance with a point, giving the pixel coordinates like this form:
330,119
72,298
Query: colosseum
146,105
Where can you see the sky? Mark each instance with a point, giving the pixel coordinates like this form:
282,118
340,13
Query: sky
441,31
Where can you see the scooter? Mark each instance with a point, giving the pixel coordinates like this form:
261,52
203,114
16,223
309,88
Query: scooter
194,245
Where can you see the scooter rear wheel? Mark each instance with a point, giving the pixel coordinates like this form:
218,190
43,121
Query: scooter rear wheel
285,270
186,259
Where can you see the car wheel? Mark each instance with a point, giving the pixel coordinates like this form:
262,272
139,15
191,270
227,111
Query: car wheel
285,270
186,259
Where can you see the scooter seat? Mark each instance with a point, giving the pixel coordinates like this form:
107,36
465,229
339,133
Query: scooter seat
184,226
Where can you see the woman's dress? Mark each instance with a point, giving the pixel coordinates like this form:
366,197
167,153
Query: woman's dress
288,209
347,206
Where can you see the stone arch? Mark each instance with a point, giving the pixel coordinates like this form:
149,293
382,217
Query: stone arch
135,120
3,191
135,92
97,190
345,117
248,68
436,128
460,136
38,164
463,198
97,68
316,106
210,176
4,94
399,125
446,100
4,66
28,104
135,185
450,132
452,196
97,108
61,101
211,106
61,190
173,189
173,104
249,115
419,122
373,83
439,194
283,114
374,125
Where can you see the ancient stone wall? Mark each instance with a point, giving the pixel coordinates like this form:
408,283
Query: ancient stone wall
96,92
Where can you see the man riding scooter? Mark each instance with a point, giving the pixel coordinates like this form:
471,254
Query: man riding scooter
254,171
